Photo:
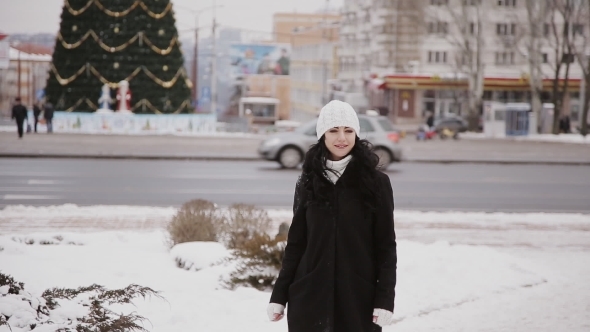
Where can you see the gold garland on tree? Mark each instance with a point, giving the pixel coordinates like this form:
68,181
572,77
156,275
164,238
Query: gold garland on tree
114,85
148,104
111,13
143,102
113,49
66,81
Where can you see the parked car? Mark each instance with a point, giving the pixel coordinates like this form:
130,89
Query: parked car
289,148
453,123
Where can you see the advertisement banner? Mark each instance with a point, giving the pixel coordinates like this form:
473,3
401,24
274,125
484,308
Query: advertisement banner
249,59
4,53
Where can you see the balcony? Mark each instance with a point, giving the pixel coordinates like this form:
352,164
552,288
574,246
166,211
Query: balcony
382,12
346,51
348,29
382,38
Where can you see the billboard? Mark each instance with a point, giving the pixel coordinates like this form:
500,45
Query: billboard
4,52
252,59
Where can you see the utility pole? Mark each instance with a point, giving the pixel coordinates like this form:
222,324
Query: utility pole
214,67
195,71
18,75
195,62
323,48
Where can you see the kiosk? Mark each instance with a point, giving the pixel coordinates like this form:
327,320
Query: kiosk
517,119
494,119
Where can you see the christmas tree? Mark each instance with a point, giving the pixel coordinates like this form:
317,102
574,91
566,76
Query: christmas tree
104,42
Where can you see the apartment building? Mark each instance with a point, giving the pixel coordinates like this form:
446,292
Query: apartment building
308,41
405,58
25,75
285,23
313,66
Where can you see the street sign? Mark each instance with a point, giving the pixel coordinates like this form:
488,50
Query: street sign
205,95
40,94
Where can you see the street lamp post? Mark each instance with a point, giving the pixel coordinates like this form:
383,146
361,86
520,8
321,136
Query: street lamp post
195,62
214,68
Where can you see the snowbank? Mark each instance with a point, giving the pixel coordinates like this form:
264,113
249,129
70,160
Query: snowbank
189,256
442,286
431,277
70,217
561,138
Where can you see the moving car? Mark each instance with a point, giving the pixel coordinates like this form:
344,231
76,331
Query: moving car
289,148
453,123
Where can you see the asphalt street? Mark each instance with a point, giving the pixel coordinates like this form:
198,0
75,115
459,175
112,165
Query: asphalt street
443,187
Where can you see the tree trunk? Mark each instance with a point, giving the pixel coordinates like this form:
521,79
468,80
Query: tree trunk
556,98
536,106
535,16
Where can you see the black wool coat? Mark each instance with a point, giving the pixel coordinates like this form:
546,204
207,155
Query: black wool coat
340,260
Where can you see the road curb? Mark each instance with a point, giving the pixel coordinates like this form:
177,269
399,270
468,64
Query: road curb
254,158
120,157
499,162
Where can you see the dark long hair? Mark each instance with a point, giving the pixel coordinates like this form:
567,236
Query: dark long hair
364,159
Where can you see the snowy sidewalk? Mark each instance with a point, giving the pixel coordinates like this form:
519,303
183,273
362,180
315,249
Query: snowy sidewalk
457,271
561,138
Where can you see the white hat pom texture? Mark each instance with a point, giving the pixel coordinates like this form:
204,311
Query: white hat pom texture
337,114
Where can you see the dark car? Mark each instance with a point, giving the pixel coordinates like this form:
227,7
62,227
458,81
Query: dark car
453,123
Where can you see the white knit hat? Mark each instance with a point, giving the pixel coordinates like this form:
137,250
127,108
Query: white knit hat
337,114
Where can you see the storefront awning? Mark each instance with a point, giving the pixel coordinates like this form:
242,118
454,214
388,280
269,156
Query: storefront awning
436,82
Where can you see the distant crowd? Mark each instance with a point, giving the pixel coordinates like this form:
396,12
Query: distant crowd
20,114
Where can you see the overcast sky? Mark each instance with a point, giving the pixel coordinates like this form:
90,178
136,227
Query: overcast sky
32,16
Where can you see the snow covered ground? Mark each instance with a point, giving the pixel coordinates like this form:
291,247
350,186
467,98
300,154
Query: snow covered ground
561,138
457,271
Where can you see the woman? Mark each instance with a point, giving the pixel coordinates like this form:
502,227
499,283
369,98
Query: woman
339,268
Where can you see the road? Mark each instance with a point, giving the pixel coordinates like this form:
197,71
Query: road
417,186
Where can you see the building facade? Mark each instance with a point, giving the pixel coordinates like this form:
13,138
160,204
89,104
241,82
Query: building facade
25,76
413,62
285,23
313,66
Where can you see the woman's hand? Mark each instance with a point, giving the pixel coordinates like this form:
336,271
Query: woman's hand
382,317
275,312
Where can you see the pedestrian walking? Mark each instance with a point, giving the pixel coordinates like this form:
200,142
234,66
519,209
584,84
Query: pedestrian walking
36,114
19,113
430,120
339,268
48,115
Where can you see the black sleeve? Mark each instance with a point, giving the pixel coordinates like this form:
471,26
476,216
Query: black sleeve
385,247
296,244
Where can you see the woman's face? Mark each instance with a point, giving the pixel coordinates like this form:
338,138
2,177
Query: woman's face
339,141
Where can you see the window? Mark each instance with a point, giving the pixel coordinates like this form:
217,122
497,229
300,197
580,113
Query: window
471,2
437,57
507,3
568,58
472,28
575,112
505,29
386,125
546,29
438,27
504,58
311,131
545,58
439,2
578,29
366,126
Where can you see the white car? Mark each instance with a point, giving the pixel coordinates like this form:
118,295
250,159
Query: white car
289,148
